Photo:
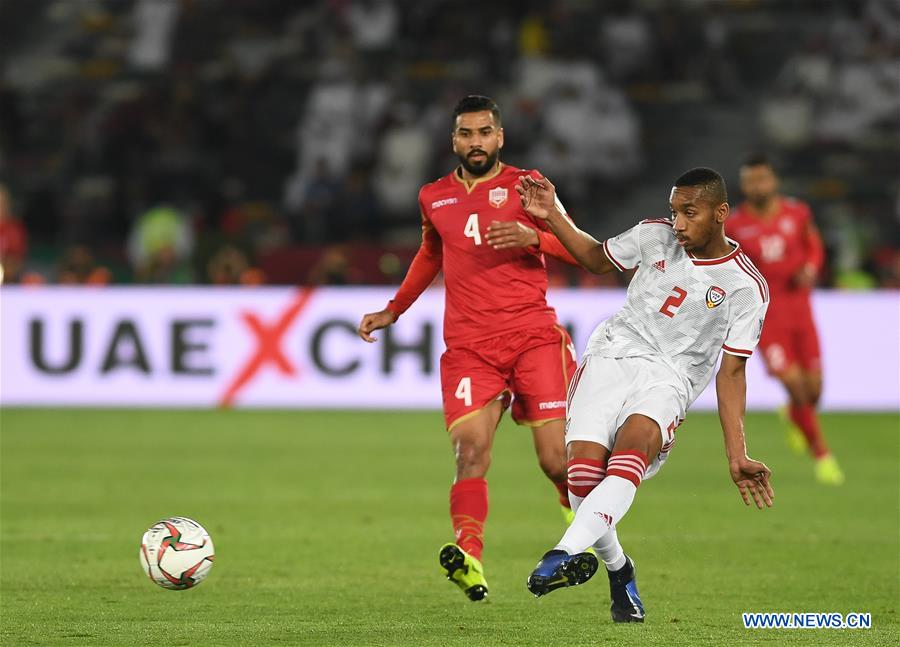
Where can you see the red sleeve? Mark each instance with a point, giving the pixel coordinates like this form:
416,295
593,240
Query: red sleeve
547,242
815,250
424,268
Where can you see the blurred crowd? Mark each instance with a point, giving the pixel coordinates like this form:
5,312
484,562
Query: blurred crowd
273,141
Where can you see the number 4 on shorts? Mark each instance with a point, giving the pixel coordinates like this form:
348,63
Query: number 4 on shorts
464,391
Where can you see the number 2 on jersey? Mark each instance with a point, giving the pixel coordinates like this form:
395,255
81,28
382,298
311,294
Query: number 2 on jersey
673,301
471,229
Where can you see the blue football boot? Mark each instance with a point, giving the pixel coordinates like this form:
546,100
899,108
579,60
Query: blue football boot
558,569
626,602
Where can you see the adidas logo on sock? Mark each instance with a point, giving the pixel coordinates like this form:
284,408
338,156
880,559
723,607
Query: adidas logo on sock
608,519
660,265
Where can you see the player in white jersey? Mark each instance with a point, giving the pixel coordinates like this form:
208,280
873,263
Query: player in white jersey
694,295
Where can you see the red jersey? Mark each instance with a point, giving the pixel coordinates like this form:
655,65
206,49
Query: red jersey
13,238
780,246
488,292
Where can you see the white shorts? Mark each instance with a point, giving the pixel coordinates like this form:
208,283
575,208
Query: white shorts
605,391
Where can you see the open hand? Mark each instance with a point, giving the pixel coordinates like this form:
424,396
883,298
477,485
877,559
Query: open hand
374,321
538,197
504,235
806,277
752,480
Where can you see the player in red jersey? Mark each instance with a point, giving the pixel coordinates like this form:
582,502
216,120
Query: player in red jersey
780,237
504,343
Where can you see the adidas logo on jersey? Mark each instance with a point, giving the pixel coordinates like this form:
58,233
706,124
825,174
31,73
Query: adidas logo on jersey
660,265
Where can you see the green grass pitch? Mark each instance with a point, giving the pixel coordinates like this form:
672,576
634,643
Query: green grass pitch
327,527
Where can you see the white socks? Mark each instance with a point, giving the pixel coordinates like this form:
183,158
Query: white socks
583,478
598,513
610,550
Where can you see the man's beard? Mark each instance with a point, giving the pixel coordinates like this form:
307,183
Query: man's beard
761,202
479,169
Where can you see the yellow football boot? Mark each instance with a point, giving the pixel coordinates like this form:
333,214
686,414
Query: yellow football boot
464,570
828,471
794,438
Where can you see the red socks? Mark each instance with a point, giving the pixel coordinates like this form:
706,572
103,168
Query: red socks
584,474
563,495
629,465
468,511
805,418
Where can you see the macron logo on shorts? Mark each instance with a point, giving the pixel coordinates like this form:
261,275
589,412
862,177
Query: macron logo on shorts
553,404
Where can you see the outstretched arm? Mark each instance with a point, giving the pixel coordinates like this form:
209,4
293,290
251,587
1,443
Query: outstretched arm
538,197
549,244
808,273
424,268
510,234
750,476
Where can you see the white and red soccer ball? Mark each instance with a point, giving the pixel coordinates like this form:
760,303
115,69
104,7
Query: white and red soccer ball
177,553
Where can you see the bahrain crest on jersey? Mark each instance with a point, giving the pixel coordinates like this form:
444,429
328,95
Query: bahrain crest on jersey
497,196
714,296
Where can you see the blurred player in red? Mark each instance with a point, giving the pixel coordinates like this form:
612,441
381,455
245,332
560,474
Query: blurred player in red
780,237
504,343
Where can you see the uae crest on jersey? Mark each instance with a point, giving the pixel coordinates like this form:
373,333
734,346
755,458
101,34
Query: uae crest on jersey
497,196
714,296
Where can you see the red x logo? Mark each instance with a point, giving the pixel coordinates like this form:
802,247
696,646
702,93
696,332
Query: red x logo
268,346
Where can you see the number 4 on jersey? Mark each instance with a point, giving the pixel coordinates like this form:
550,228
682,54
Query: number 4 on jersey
670,305
471,229
464,391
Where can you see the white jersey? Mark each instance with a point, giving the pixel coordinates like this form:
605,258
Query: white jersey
681,310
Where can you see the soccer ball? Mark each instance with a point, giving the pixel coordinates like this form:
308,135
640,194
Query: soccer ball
177,553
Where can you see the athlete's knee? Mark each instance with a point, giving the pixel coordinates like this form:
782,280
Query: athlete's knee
814,388
796,387
550,448
553,463
473,458
638,442
639,433
802,398
811,396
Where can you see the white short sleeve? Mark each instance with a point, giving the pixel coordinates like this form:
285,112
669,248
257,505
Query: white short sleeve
745,330
624,251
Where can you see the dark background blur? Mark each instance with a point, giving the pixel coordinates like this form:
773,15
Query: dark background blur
275,141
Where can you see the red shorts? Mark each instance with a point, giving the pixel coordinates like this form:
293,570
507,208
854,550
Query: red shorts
531,368
790,341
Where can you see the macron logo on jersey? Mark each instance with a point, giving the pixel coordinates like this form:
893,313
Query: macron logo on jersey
443,203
